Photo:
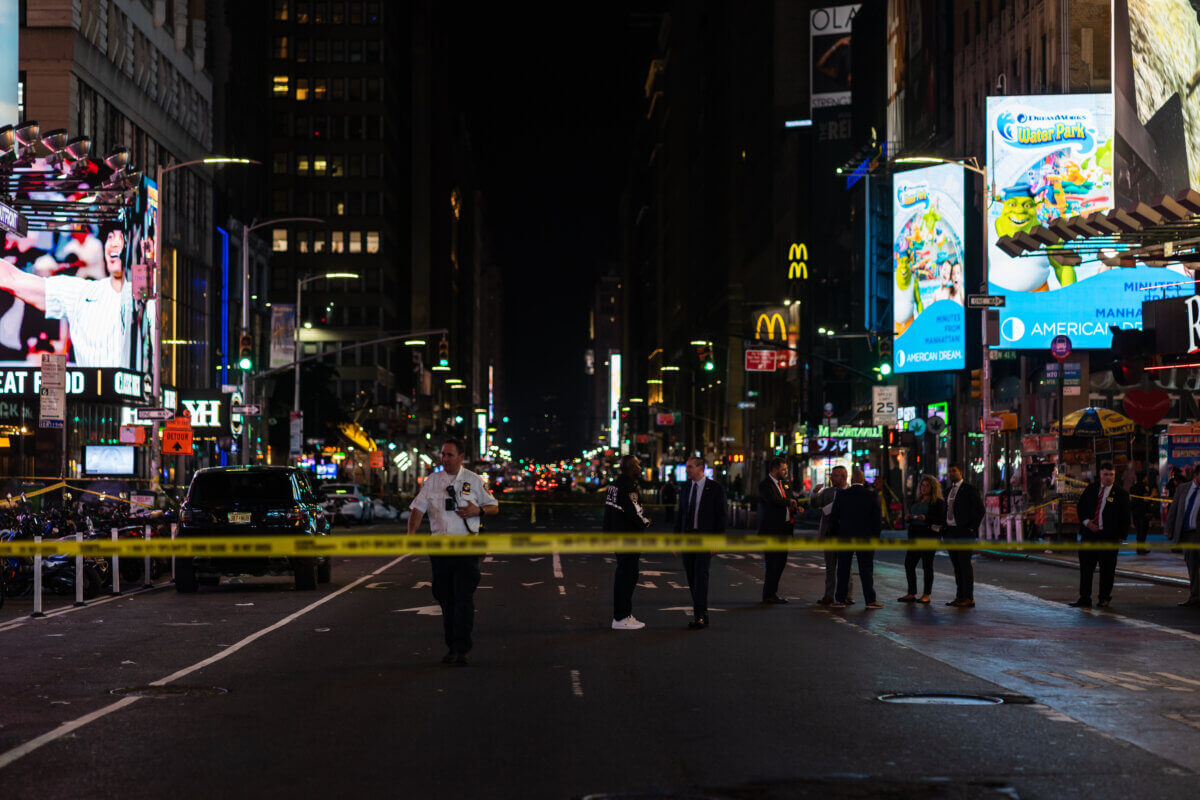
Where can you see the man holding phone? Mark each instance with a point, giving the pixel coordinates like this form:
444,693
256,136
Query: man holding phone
455,500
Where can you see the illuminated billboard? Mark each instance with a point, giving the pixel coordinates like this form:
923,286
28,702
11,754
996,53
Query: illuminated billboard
1051,156
9,68
70,291
614,400
1156,59
829,42
927,278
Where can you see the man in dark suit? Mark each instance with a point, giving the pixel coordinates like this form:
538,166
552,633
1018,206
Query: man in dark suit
701,509
776,510
964,513
1104,509
1181,526
855,515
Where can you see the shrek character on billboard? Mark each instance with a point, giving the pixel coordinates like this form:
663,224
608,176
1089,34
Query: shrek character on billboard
1027,273
906,297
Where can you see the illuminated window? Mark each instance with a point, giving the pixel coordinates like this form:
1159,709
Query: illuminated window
319,242
281,85
302,13
281,47
281,10
339,208
335,167
302,241
301,88
319,165
355,241
279,163
279,240
372,241
337,242
318,89
302,165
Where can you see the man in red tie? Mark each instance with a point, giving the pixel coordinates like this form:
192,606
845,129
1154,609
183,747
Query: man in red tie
1104,507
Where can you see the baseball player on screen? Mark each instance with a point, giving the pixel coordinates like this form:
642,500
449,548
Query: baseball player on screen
98,313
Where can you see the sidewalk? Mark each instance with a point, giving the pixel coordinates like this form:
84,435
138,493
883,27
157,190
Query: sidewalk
1158,566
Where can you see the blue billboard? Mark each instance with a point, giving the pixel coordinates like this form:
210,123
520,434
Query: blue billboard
927,279
1051,156
9,68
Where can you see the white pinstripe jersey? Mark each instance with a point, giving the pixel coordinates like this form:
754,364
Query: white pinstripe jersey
99,318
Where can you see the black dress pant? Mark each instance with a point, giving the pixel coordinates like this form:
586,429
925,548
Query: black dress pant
696,566
776,561
623,583
454,582
866,574
925,559
1141,524
1088,561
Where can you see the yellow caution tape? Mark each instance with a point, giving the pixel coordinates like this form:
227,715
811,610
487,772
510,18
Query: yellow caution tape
513,544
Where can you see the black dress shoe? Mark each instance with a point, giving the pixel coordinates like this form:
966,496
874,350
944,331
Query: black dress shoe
955,602
774,600
1190,602
825,601
908,598
1081,603
461,660
1104,604
697,625
448,658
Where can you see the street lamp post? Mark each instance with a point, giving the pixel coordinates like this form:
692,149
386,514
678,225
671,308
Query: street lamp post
156,366
253,226
985,368
300,282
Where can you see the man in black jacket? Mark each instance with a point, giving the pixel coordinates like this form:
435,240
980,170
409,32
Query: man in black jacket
855,515
701,510
623,513
1104,514
964,513
776,511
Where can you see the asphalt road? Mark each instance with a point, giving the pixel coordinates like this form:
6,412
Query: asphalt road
269,692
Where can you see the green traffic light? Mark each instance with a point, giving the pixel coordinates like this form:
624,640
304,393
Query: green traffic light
245,363
885,369
708,366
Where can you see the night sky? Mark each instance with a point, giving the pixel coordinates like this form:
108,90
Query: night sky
553,102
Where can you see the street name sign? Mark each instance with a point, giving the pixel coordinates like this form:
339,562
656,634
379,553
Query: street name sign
155,413
12,221
985,301
993,424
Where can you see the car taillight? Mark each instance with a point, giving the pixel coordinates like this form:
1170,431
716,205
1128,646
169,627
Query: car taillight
190,515
292,516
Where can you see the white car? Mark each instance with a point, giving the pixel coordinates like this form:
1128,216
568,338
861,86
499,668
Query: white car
347,501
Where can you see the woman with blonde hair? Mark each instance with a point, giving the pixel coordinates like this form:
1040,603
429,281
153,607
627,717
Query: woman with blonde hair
925,520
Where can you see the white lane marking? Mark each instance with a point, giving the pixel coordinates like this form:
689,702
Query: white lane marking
422,611
576,684
687,609
557,563
535,583
562,590
66,728
58,612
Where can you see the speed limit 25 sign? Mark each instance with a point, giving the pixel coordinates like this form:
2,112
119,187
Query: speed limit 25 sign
884,400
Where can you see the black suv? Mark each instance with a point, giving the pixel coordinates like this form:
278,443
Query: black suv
251,501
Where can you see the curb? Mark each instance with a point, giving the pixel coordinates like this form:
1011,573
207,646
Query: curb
1165,580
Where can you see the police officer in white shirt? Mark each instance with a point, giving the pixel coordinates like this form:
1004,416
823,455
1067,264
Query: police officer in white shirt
455,499
99,313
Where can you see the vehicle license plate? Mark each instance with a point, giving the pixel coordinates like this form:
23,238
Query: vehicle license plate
239,517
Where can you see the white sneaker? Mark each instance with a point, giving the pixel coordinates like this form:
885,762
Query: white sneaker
627,624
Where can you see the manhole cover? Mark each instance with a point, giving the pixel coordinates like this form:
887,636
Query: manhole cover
934,699
175,690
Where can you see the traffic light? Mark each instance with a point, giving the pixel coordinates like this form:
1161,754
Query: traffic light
891,437
246,353
885,356
976,384
1130,346
443,353
705,354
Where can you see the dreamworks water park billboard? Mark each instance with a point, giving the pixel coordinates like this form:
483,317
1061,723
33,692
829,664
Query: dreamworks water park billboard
927,279
1051,156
